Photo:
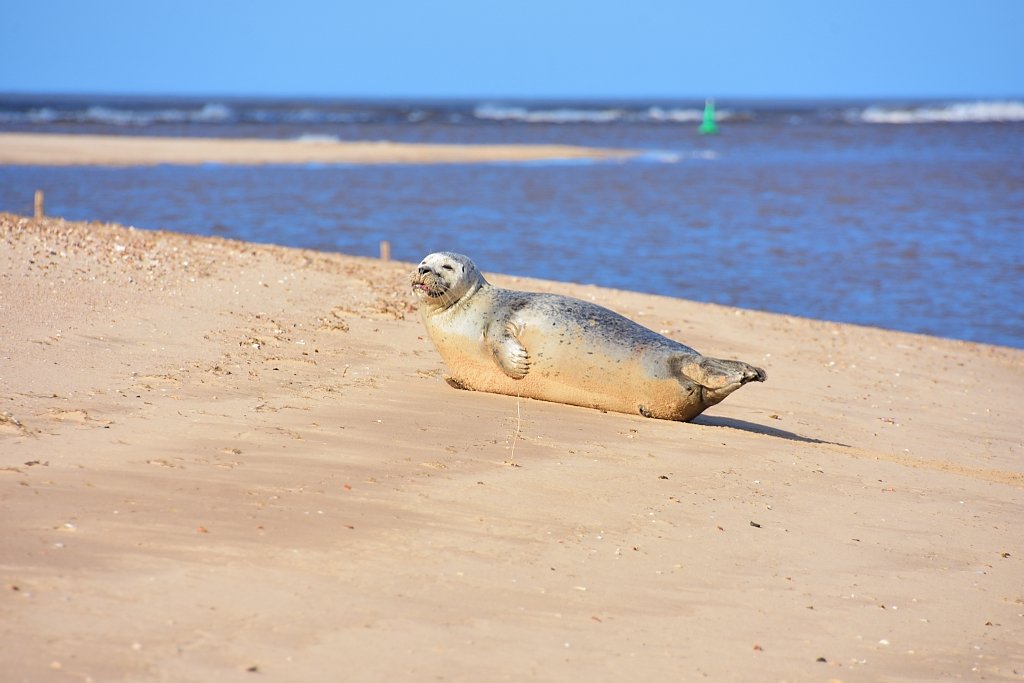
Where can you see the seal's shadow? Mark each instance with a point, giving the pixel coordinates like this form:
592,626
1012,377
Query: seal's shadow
711,421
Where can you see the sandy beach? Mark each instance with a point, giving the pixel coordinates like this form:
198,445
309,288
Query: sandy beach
116,150
228,461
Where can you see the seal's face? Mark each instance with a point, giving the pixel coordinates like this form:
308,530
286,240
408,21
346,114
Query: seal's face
443,278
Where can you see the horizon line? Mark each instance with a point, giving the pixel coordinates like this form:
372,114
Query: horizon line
5,93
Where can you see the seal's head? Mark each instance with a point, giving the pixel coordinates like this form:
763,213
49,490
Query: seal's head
442,278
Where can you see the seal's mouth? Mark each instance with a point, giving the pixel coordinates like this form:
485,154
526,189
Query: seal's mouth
425,285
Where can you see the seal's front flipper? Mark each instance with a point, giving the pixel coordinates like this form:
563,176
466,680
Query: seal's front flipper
508,352
718,377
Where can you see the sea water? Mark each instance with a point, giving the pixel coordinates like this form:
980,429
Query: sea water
907,216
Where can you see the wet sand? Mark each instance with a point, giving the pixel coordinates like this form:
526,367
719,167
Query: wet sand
115,150
221,460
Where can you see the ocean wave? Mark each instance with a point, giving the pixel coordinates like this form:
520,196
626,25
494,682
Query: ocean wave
213,112
678,115
491,112
125,113
44,115
957,112
208,113
114,116
520,114
40,115
306,115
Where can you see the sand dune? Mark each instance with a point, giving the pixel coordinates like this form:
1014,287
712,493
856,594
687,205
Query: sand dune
220,460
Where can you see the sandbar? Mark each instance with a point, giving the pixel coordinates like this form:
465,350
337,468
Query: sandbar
115,150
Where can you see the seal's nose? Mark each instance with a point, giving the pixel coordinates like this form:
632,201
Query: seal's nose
424,270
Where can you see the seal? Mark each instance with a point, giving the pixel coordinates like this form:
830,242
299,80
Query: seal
556,348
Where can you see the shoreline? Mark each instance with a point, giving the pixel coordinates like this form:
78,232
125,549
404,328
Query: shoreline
218,458
34,149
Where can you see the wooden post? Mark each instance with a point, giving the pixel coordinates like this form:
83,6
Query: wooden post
385,250
39,204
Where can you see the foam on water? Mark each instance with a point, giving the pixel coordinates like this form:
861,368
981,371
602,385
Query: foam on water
125,112
958,112
213,112
679,115
118,116
567,115
492,112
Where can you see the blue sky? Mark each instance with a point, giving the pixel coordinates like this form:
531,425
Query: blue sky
520,48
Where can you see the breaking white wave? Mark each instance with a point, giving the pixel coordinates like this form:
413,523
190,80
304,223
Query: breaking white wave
213,112
208,113
44,115
677,115
957,112
124,113
306,115
121,117
493,112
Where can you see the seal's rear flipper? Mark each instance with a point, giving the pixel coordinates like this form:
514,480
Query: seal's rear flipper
718,377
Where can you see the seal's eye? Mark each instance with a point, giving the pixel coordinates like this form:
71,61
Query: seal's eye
447,267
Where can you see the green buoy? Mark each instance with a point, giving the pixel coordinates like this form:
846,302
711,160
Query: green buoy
708,126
